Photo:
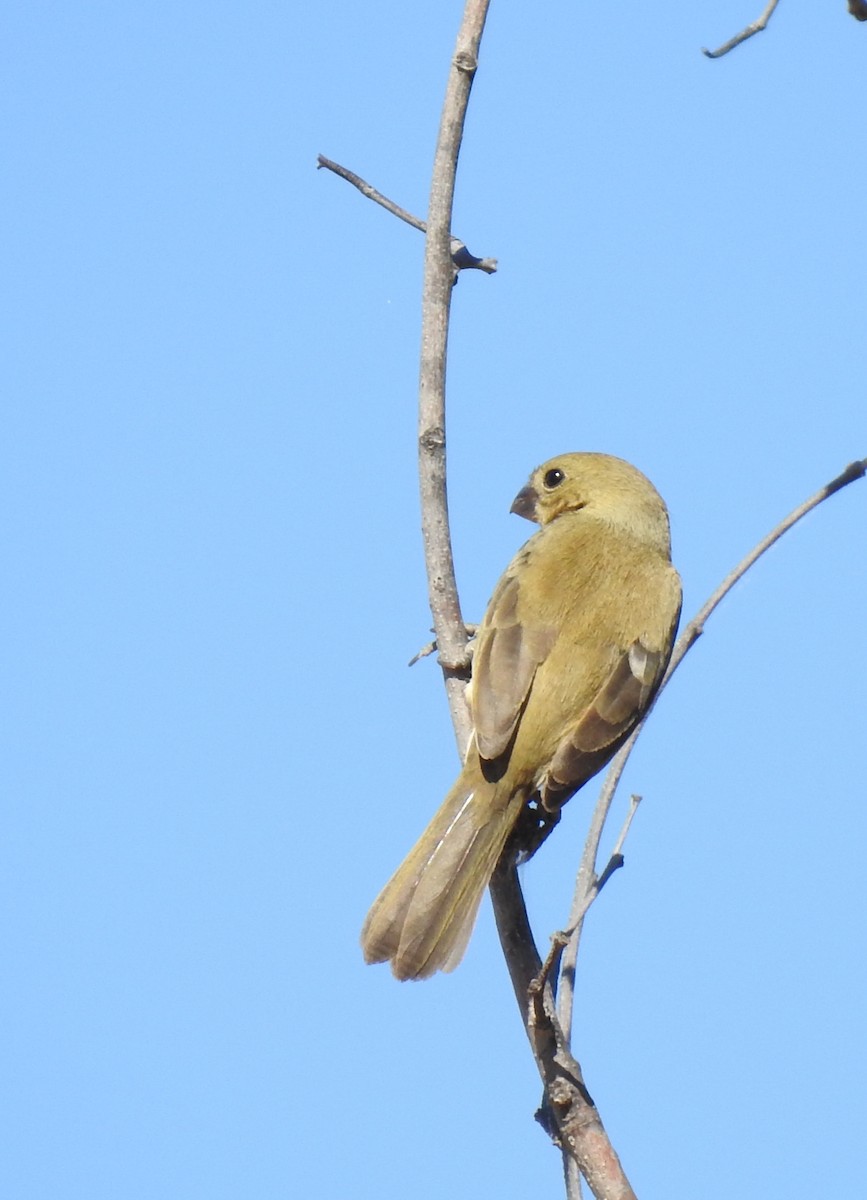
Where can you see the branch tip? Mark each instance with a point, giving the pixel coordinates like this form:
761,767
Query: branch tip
855,470
752,29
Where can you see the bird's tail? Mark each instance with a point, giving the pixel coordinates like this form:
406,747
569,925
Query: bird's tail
422,919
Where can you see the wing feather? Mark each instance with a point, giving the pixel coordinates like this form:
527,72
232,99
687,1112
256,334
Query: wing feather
508,654
607,720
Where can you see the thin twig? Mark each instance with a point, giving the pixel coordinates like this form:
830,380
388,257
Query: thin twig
690,635
569,936
461,256
586,891
756,27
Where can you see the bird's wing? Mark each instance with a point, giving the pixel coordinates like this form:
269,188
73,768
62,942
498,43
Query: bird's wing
618,704
508,653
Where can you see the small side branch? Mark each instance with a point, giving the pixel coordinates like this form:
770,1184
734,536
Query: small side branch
756,27
461,256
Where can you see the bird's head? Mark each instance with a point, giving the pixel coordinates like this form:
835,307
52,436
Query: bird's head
601,486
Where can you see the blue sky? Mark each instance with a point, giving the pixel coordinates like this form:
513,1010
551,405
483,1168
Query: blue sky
215,753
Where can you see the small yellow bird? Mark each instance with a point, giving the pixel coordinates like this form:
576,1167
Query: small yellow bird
573,645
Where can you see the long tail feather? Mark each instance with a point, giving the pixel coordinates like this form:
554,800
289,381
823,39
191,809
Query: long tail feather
423,917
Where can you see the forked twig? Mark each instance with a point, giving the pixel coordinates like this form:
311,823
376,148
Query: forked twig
568,1113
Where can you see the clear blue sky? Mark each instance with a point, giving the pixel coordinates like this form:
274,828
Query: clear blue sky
215,753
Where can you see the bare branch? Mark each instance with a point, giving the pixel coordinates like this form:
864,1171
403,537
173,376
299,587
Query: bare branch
574,1122
461,256
587,879
756,27
439,277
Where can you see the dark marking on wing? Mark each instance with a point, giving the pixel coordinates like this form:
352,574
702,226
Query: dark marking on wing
504,665
605,723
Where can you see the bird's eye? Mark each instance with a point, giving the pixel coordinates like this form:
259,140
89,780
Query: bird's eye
553,478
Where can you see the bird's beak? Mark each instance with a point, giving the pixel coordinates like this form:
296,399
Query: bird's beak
524,504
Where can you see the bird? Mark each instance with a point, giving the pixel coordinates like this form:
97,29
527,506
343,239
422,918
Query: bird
571,650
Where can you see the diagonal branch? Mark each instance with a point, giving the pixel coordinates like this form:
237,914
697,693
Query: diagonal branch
588,884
